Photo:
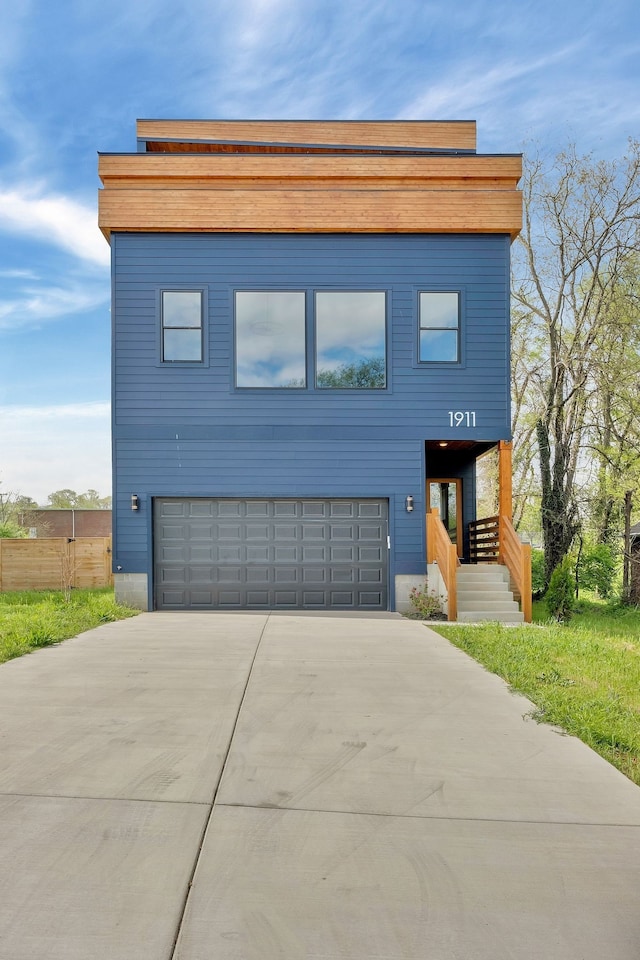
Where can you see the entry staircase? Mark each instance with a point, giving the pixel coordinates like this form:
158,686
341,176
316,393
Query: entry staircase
484,593
483,590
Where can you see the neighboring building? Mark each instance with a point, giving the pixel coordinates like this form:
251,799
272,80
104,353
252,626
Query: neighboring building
67,523
311,348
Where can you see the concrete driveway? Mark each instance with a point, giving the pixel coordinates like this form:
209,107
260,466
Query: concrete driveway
264,787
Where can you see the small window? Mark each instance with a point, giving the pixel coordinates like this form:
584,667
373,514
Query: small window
182,326
351,340
270,338
439,327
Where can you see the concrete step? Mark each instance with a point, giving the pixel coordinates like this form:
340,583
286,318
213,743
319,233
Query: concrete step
481,578
477,616
503,605
483,574
484,594
488,593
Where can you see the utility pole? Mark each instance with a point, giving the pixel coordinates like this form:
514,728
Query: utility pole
626,566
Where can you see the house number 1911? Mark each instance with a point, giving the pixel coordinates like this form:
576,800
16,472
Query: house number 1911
462,418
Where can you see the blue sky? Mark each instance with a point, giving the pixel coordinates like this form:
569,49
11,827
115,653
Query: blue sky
76,74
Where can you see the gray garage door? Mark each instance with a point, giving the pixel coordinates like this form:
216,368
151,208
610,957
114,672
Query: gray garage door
275,554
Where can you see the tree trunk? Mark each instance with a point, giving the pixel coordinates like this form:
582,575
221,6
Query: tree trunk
557,512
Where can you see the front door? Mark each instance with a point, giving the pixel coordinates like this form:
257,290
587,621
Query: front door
446,496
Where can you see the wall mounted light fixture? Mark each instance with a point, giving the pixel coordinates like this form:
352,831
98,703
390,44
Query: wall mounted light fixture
409,504
135,501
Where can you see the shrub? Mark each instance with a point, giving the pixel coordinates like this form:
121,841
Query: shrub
12,531
597,569
537,573
560,598
426,603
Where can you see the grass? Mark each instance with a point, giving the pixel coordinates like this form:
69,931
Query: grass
32,619
583,676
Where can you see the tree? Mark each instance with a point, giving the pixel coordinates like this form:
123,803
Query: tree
67,499
366,374
615,410
10,519
579,235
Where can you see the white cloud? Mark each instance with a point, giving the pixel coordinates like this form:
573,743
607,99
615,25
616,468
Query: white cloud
19,274
475,84
33,305
52,447
54,219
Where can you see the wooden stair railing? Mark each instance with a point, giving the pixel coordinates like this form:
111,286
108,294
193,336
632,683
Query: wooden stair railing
494,540
484,540
516,556
440,550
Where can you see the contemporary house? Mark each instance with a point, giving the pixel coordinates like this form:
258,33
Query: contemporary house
310,354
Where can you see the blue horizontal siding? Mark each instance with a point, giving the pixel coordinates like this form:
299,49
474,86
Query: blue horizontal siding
147,393
305,468
186,431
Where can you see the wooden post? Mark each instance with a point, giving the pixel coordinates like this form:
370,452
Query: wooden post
505,479
505,492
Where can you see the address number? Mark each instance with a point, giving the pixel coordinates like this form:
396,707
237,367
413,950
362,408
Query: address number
462,418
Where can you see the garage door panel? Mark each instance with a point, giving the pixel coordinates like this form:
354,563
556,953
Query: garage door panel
371,510
257,553
285,508
273,554
285,598
229,508
286,554
257,508
370,554
227,554
342,554
315,554
257,598
285,531
314,508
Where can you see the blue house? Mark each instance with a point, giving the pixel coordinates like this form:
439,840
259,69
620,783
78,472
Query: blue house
310,353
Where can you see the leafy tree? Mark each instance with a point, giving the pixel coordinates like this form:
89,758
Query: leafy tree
11,508
597,569
11,530
579,238
67,499
24,503
615,410
366,374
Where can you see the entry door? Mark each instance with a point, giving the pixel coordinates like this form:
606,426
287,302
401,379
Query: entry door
446,496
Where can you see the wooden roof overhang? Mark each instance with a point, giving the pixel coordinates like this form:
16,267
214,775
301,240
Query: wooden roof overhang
354,178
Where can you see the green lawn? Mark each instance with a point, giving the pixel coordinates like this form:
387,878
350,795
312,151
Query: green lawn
33,619
583,676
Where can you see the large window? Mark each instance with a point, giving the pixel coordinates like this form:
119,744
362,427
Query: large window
181,325
350,339
439,327
270,338
339,344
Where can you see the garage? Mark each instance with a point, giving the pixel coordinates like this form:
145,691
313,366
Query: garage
310,554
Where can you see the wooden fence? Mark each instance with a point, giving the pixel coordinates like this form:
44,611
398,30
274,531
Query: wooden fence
55,564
